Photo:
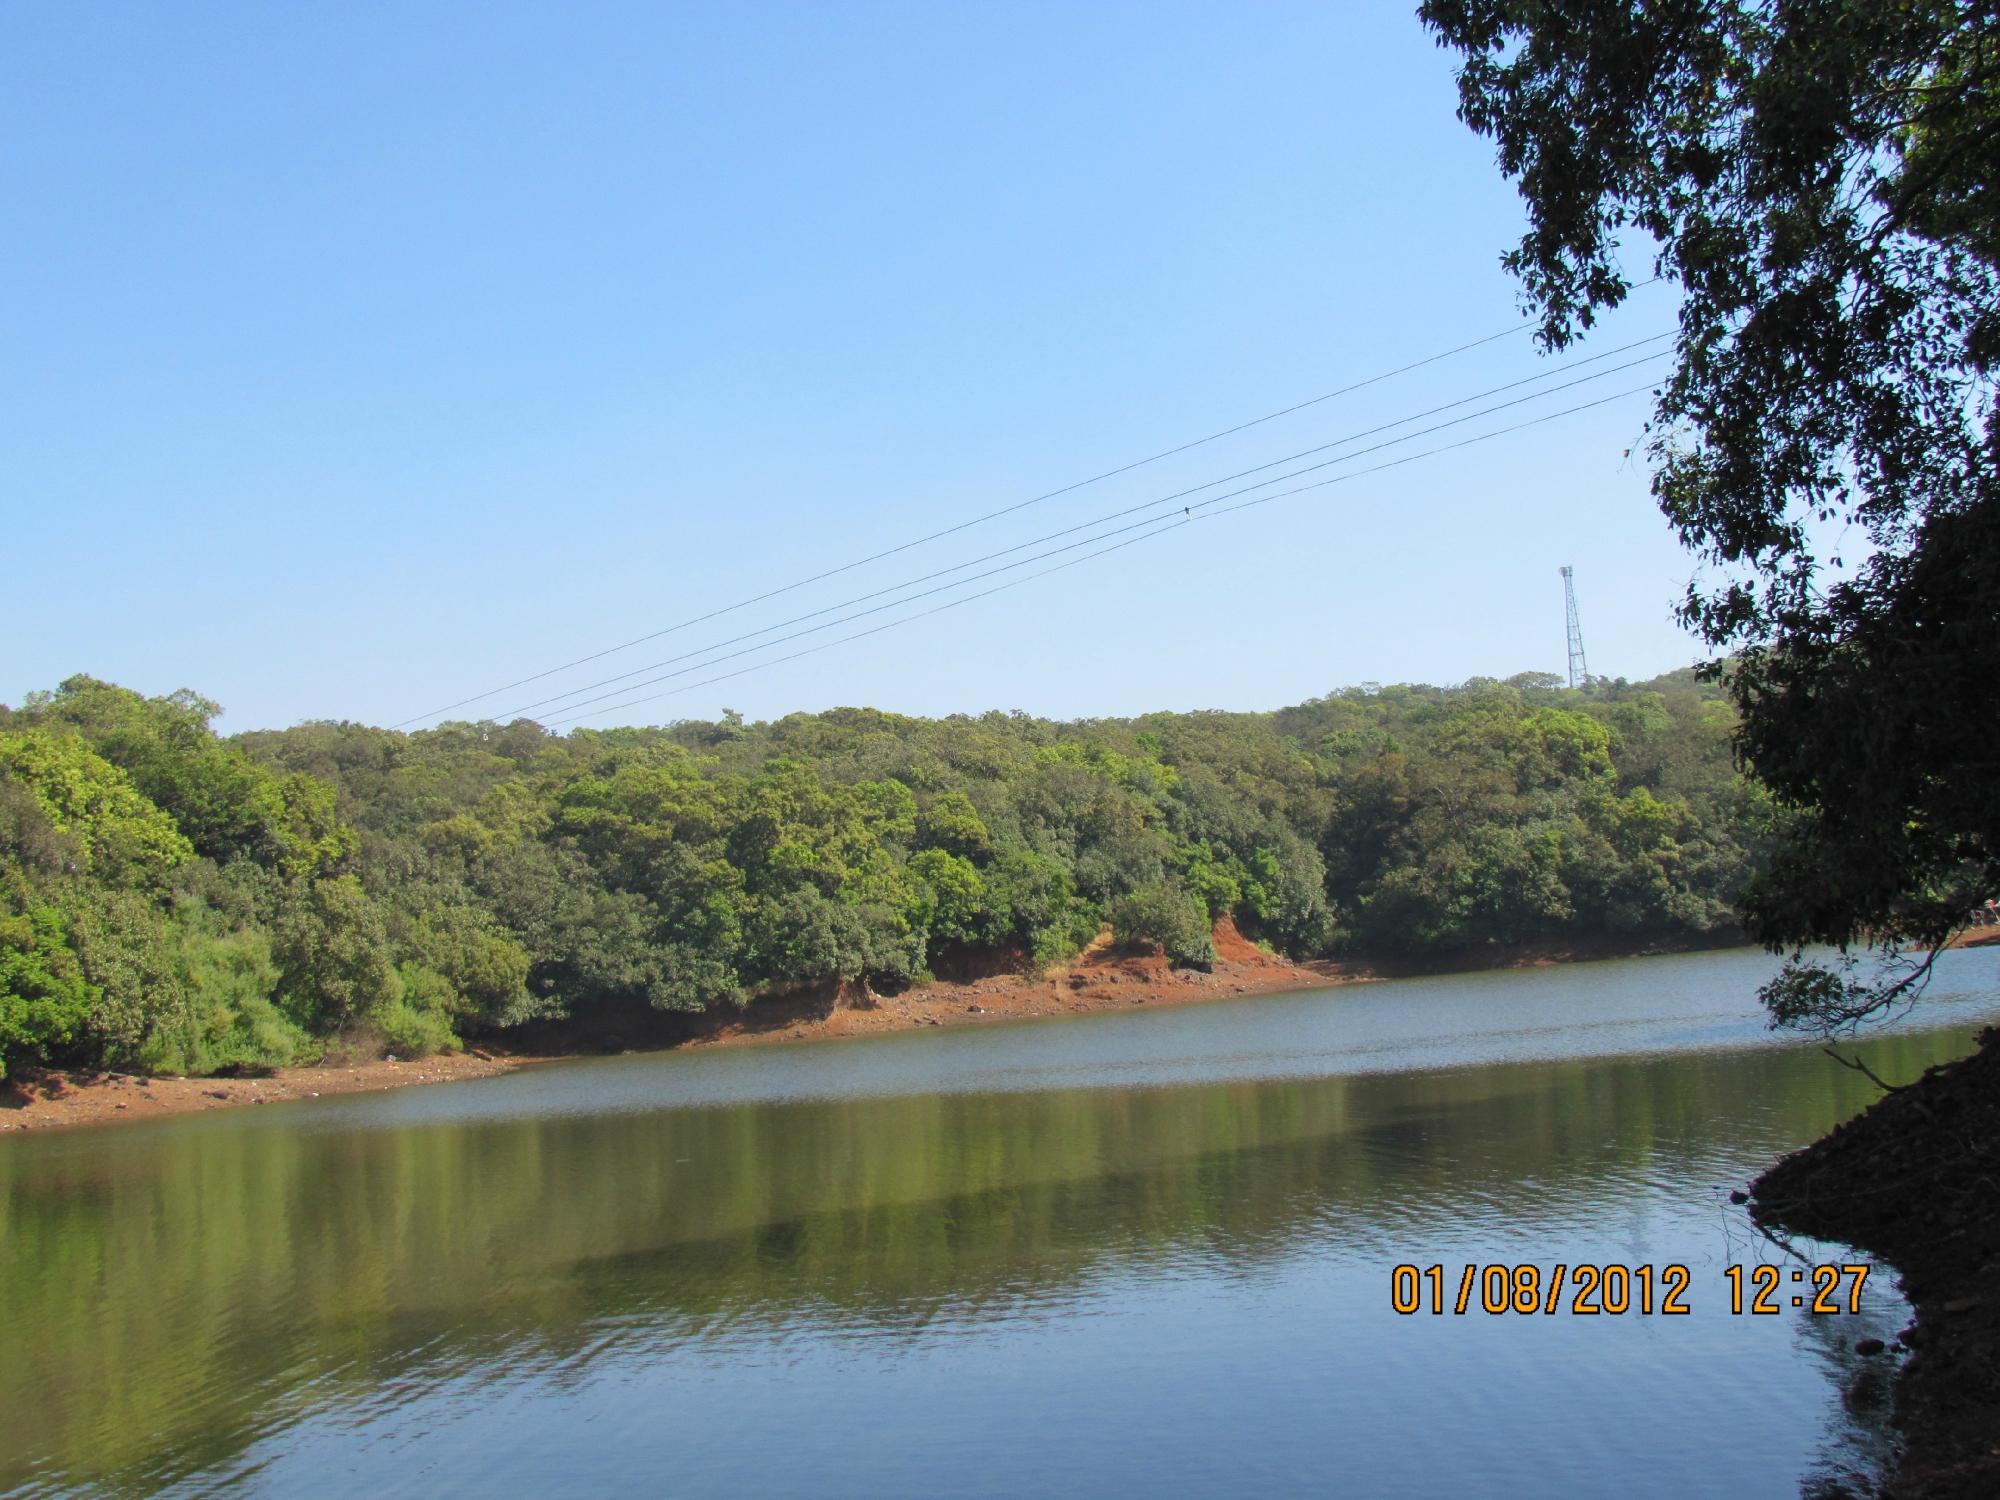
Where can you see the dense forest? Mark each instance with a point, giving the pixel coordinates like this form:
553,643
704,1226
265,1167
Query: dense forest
178,901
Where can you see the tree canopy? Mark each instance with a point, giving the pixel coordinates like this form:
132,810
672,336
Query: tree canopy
1817,179
173,899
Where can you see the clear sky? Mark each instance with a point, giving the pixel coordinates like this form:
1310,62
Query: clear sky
356,359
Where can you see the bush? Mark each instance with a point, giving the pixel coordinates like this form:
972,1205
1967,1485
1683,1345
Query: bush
332,952
129,949
409,1032
1165,916
44,997
231,1020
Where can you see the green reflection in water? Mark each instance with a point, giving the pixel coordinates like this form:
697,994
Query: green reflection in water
168,1294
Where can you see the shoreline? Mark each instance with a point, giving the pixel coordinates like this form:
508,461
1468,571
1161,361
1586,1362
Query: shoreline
61,1098
1096,980
1911,1180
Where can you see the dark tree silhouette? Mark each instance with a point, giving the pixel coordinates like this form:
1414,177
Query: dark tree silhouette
1818,180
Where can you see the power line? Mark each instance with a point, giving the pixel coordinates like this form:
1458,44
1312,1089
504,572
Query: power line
858,614
1397,463
1170,525
1161,529
993,515
558,698
1007,567
1110,516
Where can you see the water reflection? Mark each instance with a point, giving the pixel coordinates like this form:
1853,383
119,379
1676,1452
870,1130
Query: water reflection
1104,1287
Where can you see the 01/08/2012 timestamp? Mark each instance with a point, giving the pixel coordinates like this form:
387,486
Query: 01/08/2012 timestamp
1592,1290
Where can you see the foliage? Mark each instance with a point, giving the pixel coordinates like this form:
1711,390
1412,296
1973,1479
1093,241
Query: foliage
233,1019
44,999
117,832
1818,182
332,952
1166,915
221,800
404,891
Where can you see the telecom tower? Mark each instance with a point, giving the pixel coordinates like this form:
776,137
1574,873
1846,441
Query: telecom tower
1579,673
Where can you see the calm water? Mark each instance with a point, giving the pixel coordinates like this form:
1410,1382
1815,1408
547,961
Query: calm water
1137,1254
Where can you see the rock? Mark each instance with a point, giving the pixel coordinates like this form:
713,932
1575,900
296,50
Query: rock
121,1106
389,1058
1867,1391
1737,1195
257,1099
1870,1347
216,1093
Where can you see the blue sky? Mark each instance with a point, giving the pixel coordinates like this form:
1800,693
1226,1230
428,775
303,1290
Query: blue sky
358,359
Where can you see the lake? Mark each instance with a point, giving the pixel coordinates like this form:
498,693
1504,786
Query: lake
1144,1253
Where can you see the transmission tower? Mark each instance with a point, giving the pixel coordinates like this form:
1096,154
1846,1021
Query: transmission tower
1579,673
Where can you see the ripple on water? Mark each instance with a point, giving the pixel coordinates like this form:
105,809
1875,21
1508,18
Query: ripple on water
1092,1257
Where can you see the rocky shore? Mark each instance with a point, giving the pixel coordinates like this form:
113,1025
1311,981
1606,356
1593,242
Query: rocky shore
1915,1179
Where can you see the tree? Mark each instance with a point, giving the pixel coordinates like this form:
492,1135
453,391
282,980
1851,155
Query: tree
207,903
44,998
957,895
1165,915
805,938
953,824
1818,181
128,953
332,952
119,835
485,971
219,798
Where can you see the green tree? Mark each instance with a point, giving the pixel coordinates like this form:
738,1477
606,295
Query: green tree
332,951
1818,181
122,837
45,1000
957,905
232,1018
953,824
221,799
1032,903
1284,893
805,937
130,954
483,969
475,876
1167,917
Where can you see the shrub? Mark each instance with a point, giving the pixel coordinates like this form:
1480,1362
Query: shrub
1166,916
44,997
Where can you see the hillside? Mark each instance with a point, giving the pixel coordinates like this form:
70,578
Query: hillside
176,901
